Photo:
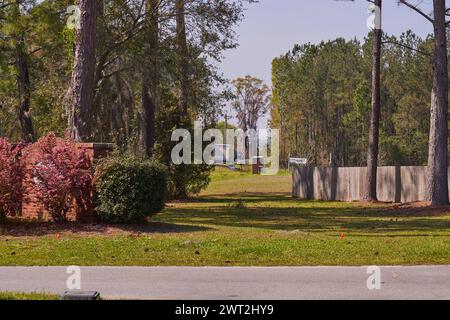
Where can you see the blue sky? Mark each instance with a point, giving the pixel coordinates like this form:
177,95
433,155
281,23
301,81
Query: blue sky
272,27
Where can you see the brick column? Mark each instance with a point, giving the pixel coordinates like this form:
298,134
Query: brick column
32,209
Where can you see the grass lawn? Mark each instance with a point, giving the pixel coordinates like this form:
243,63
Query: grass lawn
27,296
242,220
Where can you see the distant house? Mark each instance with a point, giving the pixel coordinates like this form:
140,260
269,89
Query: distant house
223,154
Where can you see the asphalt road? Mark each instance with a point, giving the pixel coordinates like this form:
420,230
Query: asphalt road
421,282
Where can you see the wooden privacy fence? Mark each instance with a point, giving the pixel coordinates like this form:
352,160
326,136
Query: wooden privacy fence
394,184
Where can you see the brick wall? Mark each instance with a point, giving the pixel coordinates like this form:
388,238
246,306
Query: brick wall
31,209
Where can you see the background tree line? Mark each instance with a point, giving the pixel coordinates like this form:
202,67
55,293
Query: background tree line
129,73
322,100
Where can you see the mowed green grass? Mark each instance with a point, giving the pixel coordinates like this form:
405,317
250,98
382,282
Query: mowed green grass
246,220
27,296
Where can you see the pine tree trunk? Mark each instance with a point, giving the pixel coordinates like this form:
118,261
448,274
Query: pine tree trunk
438,145
23,85
81,91
182,57
372,154
150,79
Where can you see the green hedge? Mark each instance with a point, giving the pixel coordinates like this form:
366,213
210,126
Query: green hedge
129,189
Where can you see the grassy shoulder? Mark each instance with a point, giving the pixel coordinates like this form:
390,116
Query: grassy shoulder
27,296
242,221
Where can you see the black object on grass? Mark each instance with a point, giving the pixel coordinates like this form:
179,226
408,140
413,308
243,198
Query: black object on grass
80,295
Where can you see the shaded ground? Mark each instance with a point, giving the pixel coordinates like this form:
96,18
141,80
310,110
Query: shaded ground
18,229
418,209
282,213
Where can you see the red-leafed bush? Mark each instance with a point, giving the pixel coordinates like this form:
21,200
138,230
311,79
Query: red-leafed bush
62,176
12,172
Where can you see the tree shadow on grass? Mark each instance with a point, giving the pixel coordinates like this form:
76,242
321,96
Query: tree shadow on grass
18,228
248,197
308,216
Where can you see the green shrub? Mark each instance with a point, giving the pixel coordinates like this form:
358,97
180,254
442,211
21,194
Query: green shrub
129,189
